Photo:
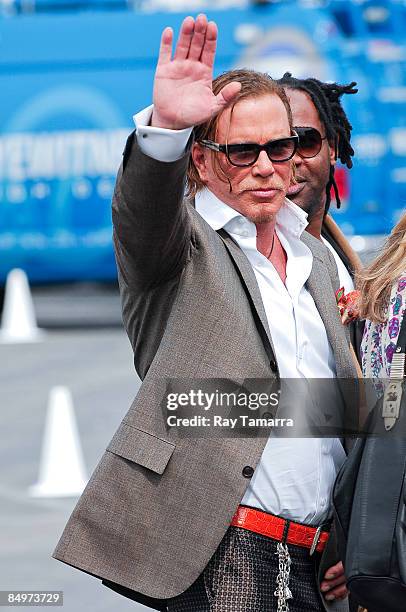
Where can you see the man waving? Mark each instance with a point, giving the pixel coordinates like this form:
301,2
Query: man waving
231,288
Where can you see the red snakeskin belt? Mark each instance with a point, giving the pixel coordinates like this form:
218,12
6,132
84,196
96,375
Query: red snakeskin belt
280,529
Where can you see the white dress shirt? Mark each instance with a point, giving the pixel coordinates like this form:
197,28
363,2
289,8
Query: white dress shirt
294,477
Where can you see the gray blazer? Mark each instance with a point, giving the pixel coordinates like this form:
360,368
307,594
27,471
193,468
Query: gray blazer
158,504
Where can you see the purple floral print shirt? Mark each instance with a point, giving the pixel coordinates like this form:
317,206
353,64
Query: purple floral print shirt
380,339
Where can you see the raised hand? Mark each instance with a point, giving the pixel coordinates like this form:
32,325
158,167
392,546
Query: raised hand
183,95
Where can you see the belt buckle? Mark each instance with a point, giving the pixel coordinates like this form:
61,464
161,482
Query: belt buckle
315,540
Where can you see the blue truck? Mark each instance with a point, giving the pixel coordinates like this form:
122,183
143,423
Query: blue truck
73,73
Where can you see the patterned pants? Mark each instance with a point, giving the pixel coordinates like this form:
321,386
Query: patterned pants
241,577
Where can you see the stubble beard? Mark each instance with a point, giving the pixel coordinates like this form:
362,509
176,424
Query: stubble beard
259,214
262,217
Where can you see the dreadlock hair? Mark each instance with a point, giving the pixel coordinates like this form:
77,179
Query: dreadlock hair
326,99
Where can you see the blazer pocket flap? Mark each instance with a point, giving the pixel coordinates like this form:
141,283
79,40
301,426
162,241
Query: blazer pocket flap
141,447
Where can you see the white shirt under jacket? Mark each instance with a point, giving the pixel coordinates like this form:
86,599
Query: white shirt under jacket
294,477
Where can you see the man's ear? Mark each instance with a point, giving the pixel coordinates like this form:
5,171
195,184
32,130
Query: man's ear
199,159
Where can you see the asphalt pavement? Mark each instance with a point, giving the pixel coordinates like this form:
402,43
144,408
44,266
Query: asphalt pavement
96,366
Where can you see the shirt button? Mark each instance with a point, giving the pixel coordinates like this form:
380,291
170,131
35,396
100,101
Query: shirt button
247,471
273,365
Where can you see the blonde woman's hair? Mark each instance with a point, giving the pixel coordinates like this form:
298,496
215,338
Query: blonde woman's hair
376,280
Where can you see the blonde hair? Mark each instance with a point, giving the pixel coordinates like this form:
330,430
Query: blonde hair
376,280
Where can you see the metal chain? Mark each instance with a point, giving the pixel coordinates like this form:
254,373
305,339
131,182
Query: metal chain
283,592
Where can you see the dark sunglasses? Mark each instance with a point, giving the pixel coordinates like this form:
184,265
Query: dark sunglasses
246,154
310,141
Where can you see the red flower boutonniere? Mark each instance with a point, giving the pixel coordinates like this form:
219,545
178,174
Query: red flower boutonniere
348,305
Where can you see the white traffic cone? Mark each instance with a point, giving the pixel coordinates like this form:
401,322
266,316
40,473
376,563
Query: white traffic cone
62,471
18,322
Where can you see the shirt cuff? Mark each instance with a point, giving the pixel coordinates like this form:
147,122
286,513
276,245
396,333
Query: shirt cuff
159,143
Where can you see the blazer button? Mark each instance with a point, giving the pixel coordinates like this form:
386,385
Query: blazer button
247,471
273,365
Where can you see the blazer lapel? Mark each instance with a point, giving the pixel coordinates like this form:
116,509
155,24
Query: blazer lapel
347,376
250,282
322,293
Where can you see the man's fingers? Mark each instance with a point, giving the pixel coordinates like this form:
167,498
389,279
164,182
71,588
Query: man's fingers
326,585
333,585
210,44
227,95
334,571
338,593
185,37
198,39
165,50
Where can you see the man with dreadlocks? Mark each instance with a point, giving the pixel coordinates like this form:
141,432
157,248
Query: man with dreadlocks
324,136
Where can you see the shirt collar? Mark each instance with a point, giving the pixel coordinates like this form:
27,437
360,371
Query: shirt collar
214,211
217,214
292,218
